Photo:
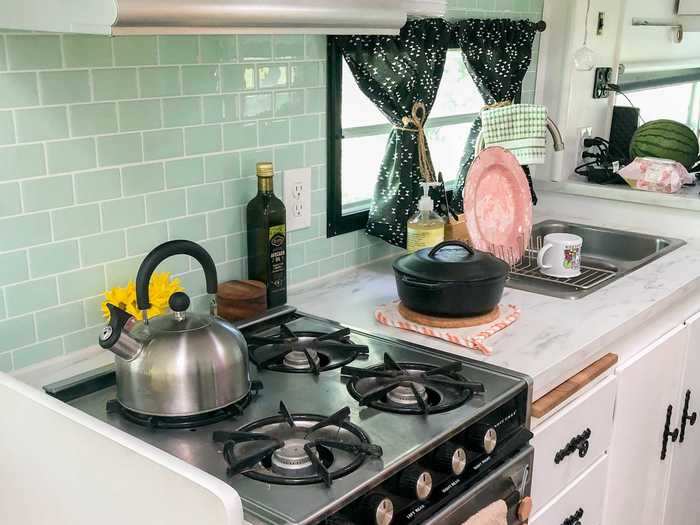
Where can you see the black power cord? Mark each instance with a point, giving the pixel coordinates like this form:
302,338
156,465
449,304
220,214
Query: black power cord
616,88
601,169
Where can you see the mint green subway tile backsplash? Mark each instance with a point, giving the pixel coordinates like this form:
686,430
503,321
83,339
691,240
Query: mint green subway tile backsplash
111,146
93,119
218,49
64,87
57,257
38,124
288,47
10,199
18,90
13,268
33,52
70,155
73,286
86,51
7,128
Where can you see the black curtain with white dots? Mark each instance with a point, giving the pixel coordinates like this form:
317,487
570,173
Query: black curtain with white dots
396,73
497,53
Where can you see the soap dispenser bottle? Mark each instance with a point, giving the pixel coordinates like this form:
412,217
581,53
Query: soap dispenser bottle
426,228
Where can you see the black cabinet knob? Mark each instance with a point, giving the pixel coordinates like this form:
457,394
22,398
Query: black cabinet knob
574,519
481,438
416,483
450,458
668,433
378,509
687,418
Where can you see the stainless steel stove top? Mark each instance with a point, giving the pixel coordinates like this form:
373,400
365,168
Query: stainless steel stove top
402,437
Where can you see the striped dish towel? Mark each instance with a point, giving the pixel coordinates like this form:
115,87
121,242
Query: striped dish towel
473,337
520,128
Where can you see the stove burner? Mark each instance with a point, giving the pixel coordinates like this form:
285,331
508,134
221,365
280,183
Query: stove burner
300,361
179,422
297,449
410,388
304,352
403,394
292,458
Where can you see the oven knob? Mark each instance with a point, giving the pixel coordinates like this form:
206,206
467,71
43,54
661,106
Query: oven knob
450,458
378,509
415,482
481,438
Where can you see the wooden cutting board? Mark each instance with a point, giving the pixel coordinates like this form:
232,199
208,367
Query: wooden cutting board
448,322
239,300
568,388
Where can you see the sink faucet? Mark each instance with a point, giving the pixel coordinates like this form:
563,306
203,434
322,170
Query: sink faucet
558,141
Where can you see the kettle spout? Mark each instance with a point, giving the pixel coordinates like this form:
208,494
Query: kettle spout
116,336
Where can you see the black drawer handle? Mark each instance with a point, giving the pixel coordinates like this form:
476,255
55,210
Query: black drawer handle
579,443
687,418
668,433
574,519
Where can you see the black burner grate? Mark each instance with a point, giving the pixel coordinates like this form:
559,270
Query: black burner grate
184,422
304,352
410,388
297,449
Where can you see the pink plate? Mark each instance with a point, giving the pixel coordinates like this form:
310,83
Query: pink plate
498,205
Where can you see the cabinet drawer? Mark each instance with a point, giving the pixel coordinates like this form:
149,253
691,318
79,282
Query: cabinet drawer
585,495
571,441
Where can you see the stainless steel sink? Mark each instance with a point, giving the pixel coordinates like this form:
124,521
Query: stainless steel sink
607,255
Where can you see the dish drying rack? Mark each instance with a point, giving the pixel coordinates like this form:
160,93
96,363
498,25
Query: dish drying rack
526,266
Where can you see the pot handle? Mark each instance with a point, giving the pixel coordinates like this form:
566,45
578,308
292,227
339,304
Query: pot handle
422,284
164,251
451,242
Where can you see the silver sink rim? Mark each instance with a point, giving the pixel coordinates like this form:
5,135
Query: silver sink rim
624,267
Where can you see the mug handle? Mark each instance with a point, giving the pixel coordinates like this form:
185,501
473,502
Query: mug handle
540,257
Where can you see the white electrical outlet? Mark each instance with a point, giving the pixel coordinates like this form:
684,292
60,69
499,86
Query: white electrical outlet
583,134
297,198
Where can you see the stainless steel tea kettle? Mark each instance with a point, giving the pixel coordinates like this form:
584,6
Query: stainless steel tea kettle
180,364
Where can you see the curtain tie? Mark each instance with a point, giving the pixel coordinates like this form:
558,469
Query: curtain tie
417,122
495,105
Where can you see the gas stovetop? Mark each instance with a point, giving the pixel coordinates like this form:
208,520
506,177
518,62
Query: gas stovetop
336,413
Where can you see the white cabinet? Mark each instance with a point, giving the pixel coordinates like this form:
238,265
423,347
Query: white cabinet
586,424
685,461
582,500
648,384
689,7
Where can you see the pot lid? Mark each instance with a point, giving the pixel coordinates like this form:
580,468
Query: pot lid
452,261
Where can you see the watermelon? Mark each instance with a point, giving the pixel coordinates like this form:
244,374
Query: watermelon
666,139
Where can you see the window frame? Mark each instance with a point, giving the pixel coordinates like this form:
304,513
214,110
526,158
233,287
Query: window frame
337,222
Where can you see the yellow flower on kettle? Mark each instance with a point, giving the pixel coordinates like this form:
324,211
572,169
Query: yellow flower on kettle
160,288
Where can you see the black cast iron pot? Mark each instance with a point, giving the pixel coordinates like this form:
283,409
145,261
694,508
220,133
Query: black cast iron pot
450,280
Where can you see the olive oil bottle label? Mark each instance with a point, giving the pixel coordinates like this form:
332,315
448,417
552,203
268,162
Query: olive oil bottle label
278,257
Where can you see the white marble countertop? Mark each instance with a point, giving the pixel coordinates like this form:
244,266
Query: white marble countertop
553,339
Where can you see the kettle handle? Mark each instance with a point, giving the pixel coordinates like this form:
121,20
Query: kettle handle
164,251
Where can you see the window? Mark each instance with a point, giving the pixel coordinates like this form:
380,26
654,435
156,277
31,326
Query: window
674,96
358,134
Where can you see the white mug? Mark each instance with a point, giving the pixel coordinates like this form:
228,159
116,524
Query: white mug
561,255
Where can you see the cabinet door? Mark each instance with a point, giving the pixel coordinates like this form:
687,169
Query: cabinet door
685,464
689,7
647,385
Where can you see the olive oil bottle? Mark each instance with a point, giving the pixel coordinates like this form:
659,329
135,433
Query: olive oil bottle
267,238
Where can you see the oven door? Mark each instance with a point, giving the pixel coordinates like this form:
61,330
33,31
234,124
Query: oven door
510,482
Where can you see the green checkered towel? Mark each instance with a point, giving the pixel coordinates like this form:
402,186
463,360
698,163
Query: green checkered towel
520,128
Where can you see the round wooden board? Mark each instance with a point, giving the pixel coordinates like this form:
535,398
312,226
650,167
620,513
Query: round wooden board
449,322
238,300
